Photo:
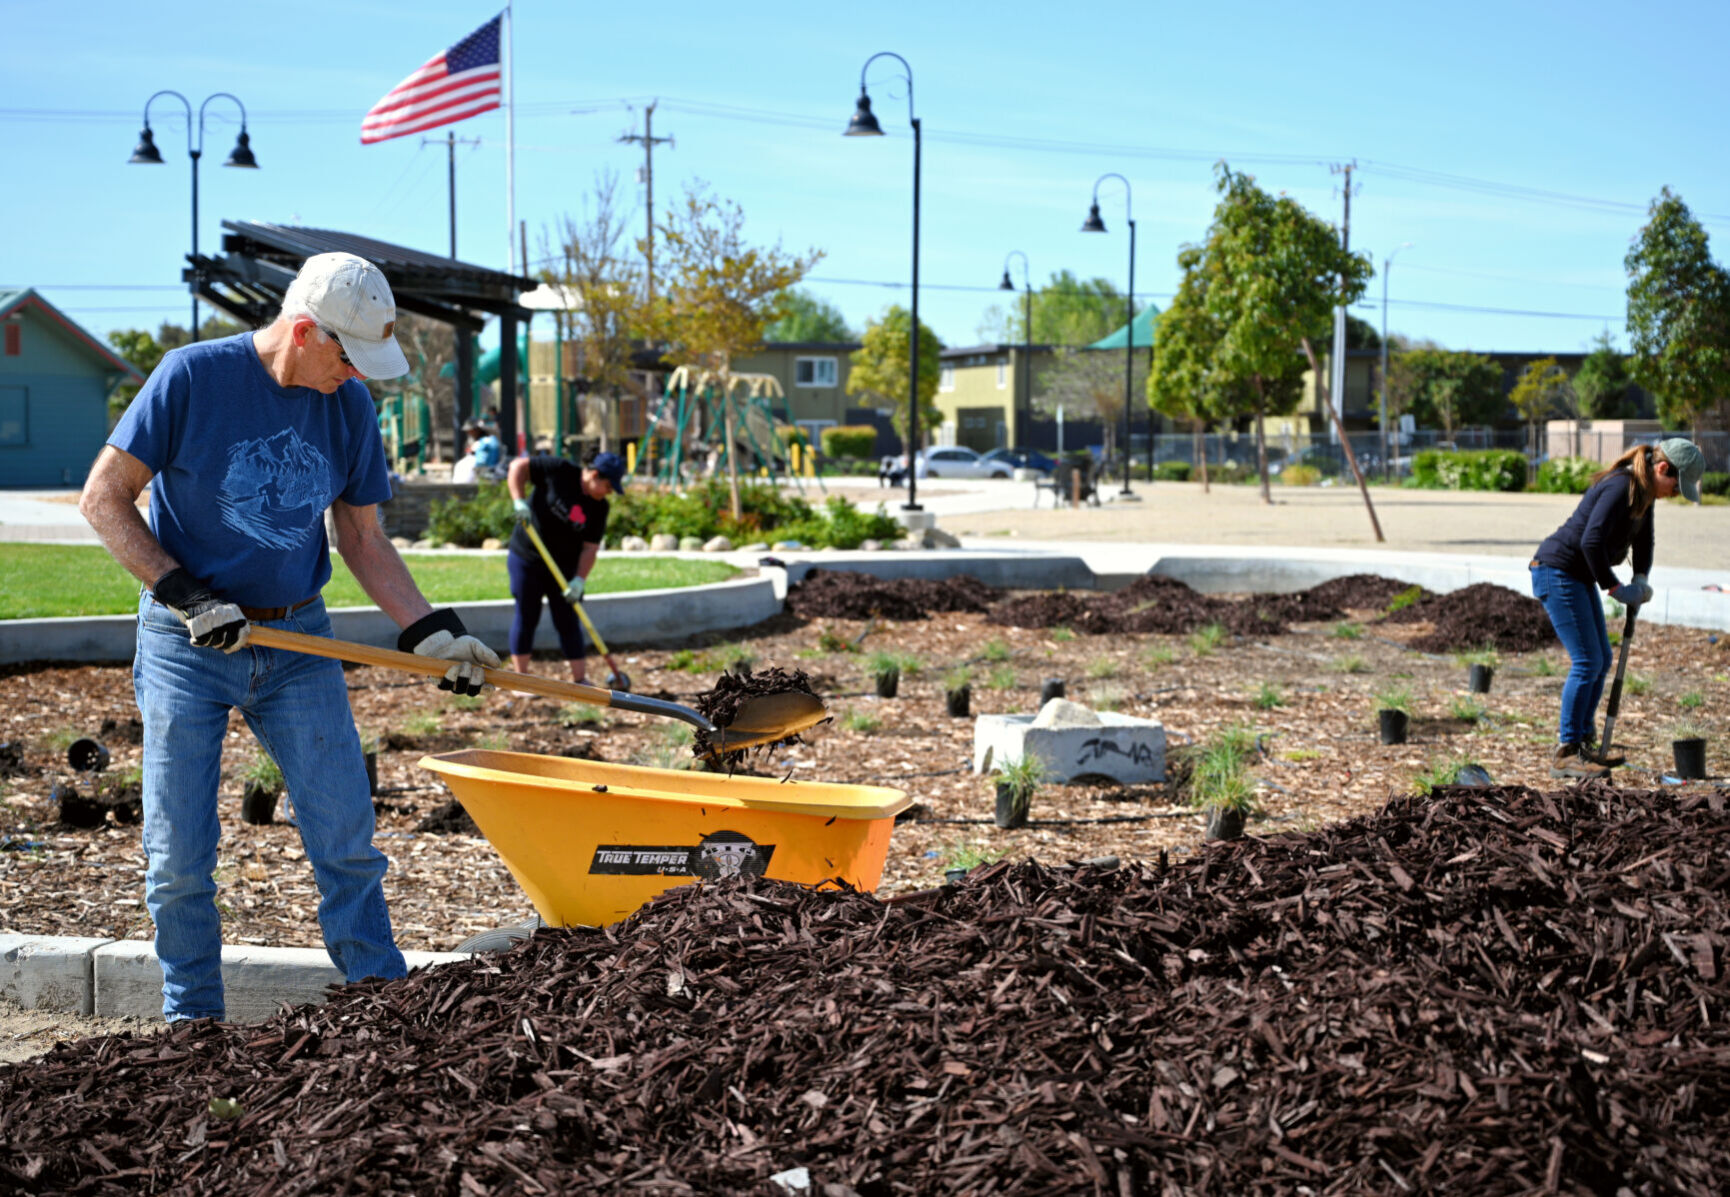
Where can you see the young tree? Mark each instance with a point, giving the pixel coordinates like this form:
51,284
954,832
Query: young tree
1601,385
429,346
881,365
1066,311
1443,387
809,318
1088,383
1275,272
1678,313
1180,381
1541,388
718,295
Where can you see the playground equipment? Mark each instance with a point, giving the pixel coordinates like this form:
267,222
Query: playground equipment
695,407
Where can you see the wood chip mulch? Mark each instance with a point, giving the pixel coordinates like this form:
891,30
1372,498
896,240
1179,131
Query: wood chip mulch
1486,991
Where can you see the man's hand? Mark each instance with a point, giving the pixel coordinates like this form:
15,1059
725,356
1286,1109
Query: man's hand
574,592
443,636
1632,594
522,508
211,622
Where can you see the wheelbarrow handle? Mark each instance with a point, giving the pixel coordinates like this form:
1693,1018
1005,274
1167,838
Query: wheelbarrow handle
504,679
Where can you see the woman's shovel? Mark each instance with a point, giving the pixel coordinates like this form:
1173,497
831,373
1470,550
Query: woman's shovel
1615,703
618,679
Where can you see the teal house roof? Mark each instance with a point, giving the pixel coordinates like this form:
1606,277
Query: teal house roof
1144,325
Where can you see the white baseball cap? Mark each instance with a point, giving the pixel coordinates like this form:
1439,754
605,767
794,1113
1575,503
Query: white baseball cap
349,296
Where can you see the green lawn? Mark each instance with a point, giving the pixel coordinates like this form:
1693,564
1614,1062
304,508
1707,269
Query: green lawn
42,580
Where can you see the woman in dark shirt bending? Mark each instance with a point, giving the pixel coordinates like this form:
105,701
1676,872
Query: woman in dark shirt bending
1614,516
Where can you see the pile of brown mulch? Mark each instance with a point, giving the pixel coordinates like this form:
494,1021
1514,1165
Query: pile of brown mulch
1361,592
1157,604
1486,991
1482,615
845,594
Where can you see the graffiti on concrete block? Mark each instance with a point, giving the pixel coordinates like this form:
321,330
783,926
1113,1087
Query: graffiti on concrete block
1139,754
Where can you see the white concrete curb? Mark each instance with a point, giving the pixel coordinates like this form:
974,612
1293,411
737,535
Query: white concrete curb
122,978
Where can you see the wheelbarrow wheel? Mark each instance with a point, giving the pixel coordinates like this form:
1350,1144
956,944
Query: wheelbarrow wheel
501,939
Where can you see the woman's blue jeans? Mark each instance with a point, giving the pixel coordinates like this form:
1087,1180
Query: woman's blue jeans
1578,617
297,706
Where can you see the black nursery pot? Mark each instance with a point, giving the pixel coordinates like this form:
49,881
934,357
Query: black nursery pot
1394,726
1011,808
888,683
1480,680
959,701
1690,759
1050,688
87,755
1224,823
257,805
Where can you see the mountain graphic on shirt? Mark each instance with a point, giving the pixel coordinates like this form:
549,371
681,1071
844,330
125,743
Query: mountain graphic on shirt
275,490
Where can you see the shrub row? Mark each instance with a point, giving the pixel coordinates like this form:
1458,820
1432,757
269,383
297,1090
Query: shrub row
1483,469
1567,475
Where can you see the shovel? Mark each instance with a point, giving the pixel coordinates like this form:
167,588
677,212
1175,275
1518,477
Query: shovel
618,679
763,719
1615,703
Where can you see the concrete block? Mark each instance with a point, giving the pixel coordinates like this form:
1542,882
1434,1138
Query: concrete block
1123,748
49,972
256,981
915,521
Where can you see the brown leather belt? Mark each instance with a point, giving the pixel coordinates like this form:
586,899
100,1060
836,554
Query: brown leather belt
266,614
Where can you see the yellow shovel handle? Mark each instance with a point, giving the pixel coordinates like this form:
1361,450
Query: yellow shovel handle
588,625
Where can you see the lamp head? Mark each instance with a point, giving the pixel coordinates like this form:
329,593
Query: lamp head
241,155
864,122
1006,285
146,152
1093,224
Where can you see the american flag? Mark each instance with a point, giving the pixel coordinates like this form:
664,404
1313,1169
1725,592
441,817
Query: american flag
461,82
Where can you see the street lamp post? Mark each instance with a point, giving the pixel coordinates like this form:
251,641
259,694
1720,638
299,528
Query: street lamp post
146,154
1387,265
1093,224
864,124
1023,412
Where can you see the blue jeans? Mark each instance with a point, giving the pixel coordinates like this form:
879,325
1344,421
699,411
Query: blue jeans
297,706
1578,617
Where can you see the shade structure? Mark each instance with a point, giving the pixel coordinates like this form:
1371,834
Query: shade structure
1145,322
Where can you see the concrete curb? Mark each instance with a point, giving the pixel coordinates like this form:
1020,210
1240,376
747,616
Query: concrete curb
112,978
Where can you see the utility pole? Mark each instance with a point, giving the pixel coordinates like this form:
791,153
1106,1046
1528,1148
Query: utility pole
1337,370
648,141
450,142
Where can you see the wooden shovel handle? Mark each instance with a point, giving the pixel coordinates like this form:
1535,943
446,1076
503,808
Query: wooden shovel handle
535,536
390,658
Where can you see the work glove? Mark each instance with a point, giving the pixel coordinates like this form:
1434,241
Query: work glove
1632,594
442,635
522,508
574,591
211,622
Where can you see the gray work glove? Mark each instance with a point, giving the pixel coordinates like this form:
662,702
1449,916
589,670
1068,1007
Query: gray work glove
522,508
574,591
443,636
211,622
1632,594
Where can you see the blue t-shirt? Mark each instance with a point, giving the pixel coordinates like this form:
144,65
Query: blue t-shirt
488,450
244,469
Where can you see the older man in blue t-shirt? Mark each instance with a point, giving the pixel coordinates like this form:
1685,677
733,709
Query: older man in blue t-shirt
244,444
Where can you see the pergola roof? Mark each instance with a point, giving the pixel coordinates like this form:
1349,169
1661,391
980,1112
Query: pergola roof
260,260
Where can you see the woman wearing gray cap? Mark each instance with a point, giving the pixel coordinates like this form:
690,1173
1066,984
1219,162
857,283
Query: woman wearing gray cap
568,507
1614,516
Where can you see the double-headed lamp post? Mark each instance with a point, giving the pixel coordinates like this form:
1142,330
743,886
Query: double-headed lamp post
1387,265
146,153
1022,411
864,124
1093,224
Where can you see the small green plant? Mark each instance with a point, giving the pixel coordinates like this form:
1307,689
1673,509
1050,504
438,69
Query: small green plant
1301,754
1159,654
1352,663
1687,728
1001,678
1267,697
860,721
731,658
1441,772
1101,667
1467,709
688,660
1544,667
1204,640
1637,684
882,661
1220,778
60,739
263,773
1691,700
1108,697
996,649
970,856
468,702
832,642
1487,656
958,677
1394,698
1022,778
1348,631
422,723
492,742
1405,598
1062,634
581,714
908,663
672,749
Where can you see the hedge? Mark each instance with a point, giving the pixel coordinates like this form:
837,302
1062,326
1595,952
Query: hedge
1714,482
1483,469
1172,471
849,440
1567,475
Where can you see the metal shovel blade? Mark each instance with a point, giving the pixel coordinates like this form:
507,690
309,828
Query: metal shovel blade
768,718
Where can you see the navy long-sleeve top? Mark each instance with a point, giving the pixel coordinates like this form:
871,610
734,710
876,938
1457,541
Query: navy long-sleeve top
1599,535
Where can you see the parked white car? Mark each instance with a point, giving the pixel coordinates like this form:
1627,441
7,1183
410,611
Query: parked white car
957,461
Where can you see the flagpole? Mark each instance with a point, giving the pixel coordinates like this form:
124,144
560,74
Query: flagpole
511,140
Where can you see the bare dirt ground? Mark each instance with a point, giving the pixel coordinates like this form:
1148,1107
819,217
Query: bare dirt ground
1321,761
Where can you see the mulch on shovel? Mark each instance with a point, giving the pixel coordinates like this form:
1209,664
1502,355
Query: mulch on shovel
1486,991
733,690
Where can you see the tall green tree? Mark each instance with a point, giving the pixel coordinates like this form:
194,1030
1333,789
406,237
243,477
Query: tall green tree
720,293
808,318
1089,384
1541,390
1678,313
1181,384
1066,311
1275,273
882,363
1602,386
1444,388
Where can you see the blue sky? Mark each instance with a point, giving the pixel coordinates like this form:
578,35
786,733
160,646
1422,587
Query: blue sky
1515,145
